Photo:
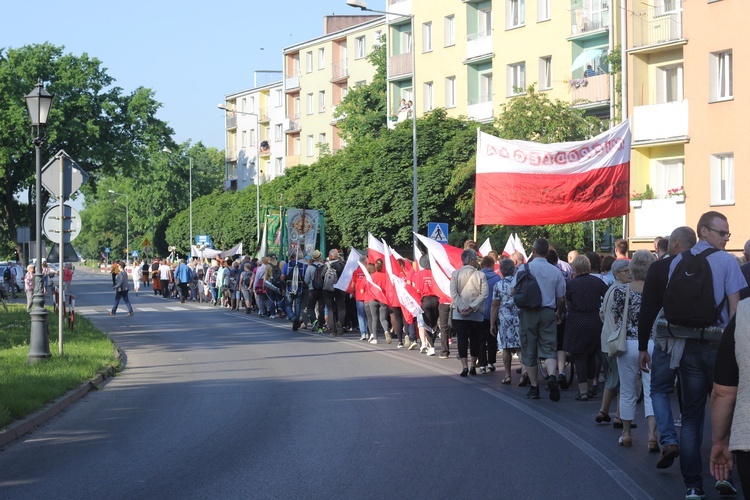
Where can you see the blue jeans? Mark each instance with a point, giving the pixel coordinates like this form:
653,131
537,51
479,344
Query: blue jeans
697,379
124,296
361,318
662,384
293,306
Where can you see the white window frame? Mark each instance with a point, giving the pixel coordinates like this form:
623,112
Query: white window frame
321,101
545,73
321,58
408,42
310,103
664,76
279,165
666,175
360,47
322,138
310,145
251,108
279,132
377,35
666,7
516,78
543,10
244,139
515,13
279,98
485,22
449,31
428,97
426,37
450,92
721,73
243,105
485,87
722,179
308,61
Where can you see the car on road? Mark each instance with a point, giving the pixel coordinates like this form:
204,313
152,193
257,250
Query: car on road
19,274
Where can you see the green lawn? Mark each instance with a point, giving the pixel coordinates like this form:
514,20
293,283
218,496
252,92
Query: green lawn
26,388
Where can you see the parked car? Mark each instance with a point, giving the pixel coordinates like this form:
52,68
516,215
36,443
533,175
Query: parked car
20,272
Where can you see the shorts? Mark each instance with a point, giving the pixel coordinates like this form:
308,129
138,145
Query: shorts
538,335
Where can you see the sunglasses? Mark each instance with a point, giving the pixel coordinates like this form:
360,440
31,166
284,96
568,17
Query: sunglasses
722,234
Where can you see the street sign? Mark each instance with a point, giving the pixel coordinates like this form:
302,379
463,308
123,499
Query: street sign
146,243
135,253
202,239
70,226
106,250
69,253
73,175
438,231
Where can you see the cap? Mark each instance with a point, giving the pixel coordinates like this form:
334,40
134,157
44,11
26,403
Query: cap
271,255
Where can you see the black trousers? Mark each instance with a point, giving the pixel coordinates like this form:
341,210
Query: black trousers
487,345
444,319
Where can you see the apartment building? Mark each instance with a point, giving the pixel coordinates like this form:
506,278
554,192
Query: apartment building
317,76
254,136
685,59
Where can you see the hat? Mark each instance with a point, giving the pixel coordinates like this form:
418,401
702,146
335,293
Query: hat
316,255
619,265
271,255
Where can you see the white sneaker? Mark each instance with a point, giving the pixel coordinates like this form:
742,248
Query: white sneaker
373,341
430,351
423,349
482,369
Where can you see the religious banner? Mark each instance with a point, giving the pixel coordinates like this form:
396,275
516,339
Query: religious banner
303,230
527,183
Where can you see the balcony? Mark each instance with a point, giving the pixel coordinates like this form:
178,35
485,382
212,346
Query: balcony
398,7
231,154
395,119
481,111
264,114
589,19
478,45
655,26
291,82
292,160
231,121
657,217
589,90
340,70
400,65
654,123
292,126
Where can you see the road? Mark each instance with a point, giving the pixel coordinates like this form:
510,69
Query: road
218,404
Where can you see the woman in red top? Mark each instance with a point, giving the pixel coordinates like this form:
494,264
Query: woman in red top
378,306
358,287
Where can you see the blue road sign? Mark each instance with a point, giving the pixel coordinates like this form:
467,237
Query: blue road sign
202,239
438,231
106,250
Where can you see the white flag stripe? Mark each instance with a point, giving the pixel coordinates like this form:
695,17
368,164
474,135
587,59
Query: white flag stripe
346,275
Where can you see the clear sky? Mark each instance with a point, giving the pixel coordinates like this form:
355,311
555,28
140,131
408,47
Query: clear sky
190,53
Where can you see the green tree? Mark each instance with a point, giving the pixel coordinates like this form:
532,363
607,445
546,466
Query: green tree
95,122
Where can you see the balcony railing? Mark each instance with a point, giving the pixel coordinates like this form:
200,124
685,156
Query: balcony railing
292,82
293,161
590,89
402,7
401,116
593,17
657,122
264,114
478,44
292,125
655,26
340,69
657,217
231,121
400,65
480,111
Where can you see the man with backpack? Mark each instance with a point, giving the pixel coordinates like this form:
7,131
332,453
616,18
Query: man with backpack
335,299
539,318
703,291
293,275
314,278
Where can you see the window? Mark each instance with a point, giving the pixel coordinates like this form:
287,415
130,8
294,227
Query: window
360,47
251,109
322,138
279,134
515,13
321,58
720,72
545,73
516,79
449,31
279,98
665,7
485,87
428,98
279,165
666,175
321,101
722,179
309,61
243,107
450,92
376,40
408,94
485,22
407,42
252,137
296,106
310,104
310,145
543,10
344,92
669,83
244,139
427,37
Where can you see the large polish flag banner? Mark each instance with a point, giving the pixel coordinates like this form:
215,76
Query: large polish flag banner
527,183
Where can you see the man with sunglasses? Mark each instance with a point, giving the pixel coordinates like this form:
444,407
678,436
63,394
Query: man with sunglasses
696,366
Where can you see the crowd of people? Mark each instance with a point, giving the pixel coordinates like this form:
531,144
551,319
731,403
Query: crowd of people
599,316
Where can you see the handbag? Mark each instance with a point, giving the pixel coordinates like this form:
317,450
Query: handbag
617,341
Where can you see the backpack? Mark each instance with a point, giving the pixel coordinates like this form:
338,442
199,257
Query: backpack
297,281
318,277
247,278
689,297
276,276
225,279
528,294
330,278
7,276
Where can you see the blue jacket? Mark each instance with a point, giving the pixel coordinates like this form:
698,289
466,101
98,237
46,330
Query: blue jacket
183,273
492,279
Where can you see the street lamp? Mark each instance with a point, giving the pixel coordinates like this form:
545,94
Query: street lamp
362,5
38,102
257,161
127,225
190,246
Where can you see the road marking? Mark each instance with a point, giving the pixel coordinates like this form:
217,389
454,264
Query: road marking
147,309
178,308
89,311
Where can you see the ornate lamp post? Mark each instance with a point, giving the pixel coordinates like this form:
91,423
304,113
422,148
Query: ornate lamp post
38,102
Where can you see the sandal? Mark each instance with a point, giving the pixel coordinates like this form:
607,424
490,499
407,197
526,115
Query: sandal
507,381
582,397
602,417
653,446
617,424
524,380
110,313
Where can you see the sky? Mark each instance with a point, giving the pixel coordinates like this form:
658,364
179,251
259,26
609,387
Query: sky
190,53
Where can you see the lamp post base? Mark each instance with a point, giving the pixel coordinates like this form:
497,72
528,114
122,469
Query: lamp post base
39,340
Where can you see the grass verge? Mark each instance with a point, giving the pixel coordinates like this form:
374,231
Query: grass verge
26,388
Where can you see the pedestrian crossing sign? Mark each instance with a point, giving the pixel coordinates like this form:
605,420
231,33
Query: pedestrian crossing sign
438,231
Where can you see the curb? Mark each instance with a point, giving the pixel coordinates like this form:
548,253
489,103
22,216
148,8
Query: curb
28,423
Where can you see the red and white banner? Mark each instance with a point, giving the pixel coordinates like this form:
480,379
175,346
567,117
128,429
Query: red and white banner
527,183
352,264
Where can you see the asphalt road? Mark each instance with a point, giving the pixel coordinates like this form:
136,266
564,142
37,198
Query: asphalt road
218,404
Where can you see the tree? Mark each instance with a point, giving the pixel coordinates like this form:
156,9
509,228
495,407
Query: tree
362,112
98,125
